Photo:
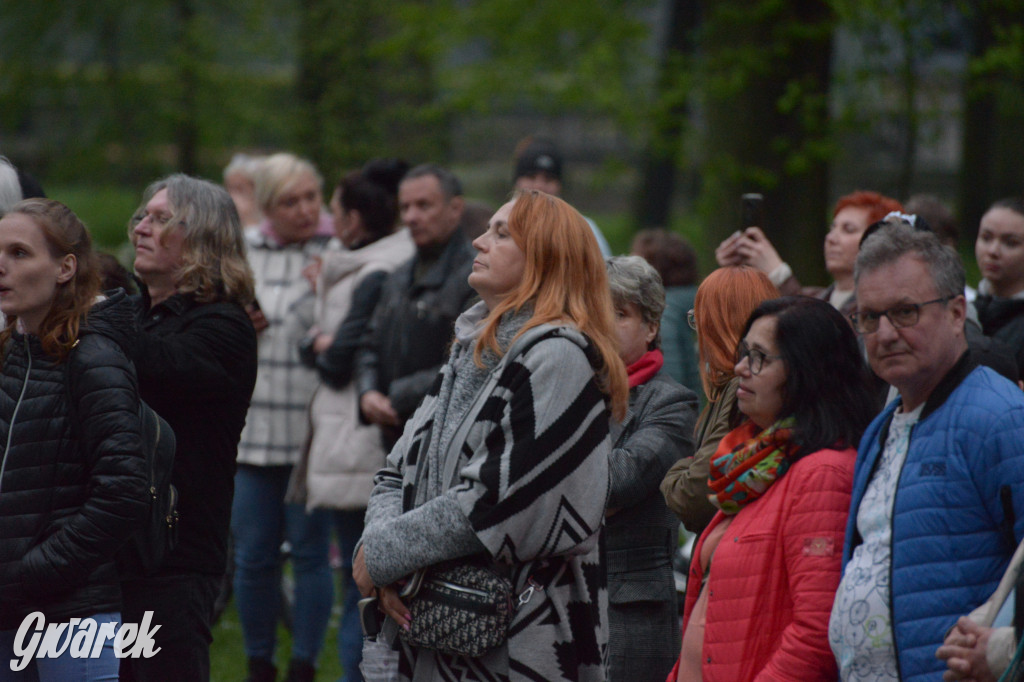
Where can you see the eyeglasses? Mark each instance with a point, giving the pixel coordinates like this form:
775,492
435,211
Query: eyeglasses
691,319
903,315
756,357
157,220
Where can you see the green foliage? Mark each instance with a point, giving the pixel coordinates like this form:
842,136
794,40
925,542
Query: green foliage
550,56
104,209
227,652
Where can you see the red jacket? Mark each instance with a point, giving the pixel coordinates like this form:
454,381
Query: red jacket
774,576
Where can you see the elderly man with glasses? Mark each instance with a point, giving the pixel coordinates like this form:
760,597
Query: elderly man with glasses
938,494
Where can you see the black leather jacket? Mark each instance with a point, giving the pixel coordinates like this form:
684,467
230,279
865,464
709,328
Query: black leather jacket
74,484
413,326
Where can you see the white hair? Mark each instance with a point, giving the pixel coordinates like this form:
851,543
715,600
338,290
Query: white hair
10,187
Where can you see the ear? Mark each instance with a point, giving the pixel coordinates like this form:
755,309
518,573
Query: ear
456,205
652,332
68,268
958,308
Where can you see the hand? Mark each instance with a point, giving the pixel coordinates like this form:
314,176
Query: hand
359,573
259,320
312,272
726,253
322,342
392,606
757,251
376,407
964,652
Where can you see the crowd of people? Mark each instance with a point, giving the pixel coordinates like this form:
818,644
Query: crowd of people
501,428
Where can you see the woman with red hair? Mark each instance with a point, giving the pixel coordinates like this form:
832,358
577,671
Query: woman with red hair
723,302
525,460
853,214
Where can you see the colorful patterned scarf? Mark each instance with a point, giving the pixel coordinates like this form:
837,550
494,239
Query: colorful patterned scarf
747,462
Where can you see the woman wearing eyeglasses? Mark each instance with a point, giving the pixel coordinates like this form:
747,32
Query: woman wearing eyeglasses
765,570
723,302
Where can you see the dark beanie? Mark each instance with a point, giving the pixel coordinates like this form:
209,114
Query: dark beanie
539,156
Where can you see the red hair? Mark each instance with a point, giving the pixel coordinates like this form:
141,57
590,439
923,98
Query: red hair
565,280
721,307
877,205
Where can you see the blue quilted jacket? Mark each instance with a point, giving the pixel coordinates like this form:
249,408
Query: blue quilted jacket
958,512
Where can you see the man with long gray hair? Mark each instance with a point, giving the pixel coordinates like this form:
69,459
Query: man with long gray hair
196,362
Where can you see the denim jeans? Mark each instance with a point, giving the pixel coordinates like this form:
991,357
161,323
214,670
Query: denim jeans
182,605
348,524
64,668
260,520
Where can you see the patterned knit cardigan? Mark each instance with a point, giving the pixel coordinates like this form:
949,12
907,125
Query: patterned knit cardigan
532,485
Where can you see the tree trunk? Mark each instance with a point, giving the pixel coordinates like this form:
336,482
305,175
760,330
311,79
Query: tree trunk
766,119
661,158
993,124
188,63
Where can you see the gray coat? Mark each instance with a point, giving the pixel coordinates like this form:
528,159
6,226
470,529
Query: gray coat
530,493
642,533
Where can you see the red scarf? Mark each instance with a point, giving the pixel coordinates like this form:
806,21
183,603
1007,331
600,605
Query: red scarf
647,366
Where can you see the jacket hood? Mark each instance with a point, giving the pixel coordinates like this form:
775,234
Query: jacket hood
113,316
397,246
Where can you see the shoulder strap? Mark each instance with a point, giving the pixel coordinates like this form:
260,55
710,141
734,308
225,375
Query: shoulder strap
526,341
986,614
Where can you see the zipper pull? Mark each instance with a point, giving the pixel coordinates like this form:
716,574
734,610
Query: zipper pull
525,596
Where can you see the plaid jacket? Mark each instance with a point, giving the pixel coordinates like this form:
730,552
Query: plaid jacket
277,423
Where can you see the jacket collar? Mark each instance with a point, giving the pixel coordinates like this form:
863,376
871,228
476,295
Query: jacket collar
177,304
437,275
954,377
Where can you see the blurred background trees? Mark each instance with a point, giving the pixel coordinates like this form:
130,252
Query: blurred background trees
666,110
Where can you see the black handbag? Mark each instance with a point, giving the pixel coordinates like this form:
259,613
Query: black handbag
459,608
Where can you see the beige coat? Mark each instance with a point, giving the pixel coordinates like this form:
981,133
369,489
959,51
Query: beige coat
343,454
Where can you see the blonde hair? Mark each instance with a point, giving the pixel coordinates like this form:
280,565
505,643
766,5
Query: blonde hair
276,174
64,234
721,307
564,280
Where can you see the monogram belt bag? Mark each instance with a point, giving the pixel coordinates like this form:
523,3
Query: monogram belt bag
460,609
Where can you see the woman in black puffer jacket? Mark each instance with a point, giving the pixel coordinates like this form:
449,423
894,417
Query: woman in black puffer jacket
73,484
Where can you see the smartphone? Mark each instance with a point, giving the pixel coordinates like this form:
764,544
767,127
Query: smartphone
752,208
370,616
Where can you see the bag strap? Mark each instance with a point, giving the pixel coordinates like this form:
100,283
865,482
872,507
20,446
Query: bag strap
524,343
985,614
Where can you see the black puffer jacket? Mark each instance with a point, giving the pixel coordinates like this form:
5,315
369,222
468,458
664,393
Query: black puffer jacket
70,494
1003,319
